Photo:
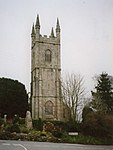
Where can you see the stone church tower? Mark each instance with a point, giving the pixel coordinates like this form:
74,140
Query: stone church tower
45,74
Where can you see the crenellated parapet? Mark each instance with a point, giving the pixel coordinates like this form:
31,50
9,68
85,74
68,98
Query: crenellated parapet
53,38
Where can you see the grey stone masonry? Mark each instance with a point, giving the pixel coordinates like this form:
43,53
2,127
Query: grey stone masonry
46,74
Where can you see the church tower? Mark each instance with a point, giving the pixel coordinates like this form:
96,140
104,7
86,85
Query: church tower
45,74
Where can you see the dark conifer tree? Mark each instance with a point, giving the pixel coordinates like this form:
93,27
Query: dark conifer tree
102,98
13,98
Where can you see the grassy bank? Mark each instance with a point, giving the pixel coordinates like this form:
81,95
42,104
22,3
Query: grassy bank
81,139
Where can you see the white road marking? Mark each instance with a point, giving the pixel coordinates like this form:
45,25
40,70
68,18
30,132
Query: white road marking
20,146
6,144
58,146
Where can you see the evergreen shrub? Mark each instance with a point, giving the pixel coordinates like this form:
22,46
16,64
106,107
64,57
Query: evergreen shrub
98,125
38,124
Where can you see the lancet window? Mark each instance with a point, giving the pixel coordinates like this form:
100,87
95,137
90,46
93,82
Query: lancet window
49,108
48,56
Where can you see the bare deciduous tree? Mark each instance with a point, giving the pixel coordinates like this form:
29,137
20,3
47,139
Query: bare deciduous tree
73,94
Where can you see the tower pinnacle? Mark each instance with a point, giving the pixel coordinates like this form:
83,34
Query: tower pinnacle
33,31
33,34
52,32
57,26
37,26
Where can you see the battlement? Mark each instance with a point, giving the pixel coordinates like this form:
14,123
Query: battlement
36,36
47,39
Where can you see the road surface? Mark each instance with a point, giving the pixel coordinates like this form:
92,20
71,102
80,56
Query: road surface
25,145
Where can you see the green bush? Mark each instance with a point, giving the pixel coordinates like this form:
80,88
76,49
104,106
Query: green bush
54,128
73,126
15,128
81,139
22,121
38,124
5,135
48,127
7,127
61,124
12,128
57,132
98,125
16,119
1,121
23,129
34,135
70,126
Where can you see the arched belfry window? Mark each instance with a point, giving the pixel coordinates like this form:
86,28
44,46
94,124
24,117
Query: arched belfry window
49,108
48,56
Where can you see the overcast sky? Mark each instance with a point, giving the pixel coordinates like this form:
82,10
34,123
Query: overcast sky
86,36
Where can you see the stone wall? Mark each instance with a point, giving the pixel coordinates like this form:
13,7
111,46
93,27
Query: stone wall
45,75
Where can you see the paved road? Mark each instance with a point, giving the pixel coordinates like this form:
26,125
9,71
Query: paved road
24,145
